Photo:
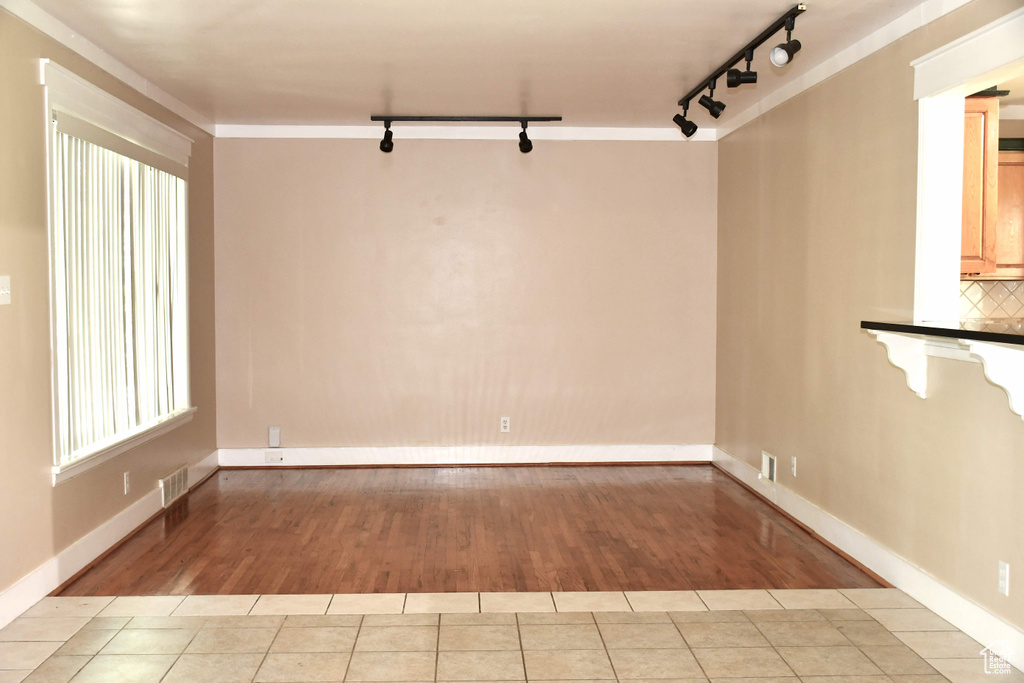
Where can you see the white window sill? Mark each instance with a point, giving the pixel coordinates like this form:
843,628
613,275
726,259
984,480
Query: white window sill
135,439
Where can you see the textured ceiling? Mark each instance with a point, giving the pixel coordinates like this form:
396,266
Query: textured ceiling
595,62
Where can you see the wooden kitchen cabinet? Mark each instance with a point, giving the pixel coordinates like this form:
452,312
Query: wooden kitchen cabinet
1010,218
979,240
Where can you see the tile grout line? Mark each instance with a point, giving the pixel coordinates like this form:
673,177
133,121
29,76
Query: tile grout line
178,657
522,651
688,646
605,645
352,653
770,643
437,646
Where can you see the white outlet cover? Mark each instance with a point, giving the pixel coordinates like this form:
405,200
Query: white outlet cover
274,436
1004,578
506,424
5,290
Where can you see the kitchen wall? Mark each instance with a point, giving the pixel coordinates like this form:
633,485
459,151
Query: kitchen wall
40,520
1011,128
817,212
414,298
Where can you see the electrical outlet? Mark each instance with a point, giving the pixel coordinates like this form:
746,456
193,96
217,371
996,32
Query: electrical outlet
273,456
127,483
5,290
1004,578
794,465
506,424
274,437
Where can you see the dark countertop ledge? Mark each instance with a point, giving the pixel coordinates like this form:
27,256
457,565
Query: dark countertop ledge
995,330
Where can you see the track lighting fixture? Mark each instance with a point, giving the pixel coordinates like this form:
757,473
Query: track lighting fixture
688,127
782,54
714,107
734,78
525,145
387,144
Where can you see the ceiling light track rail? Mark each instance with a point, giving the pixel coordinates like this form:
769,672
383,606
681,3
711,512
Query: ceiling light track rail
387,144
745,52
464,119
779,56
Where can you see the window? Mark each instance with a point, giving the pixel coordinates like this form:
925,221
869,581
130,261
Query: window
119,295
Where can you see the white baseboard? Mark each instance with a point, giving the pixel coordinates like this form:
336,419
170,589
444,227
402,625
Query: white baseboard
459,455
202,469
966,615
39,583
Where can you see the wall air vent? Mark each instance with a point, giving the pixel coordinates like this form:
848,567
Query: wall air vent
174,486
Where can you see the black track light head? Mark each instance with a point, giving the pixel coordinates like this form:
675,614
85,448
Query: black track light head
688,127
714,107
782,54
525,144
387,144
734,78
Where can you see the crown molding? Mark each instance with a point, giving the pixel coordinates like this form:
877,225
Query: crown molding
404,132
955,68
922,15
45,22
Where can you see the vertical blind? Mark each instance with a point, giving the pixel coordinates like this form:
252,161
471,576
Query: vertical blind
121,346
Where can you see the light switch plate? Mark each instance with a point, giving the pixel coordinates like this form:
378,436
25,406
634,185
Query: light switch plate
5,290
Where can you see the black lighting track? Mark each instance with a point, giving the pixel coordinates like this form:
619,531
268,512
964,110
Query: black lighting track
740,56
464,119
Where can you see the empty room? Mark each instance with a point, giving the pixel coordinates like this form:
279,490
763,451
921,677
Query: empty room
549,341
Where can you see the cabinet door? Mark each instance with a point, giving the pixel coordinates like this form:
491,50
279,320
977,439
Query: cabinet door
980,205
1010,219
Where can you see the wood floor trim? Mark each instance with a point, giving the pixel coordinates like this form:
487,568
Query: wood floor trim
398,466
839,551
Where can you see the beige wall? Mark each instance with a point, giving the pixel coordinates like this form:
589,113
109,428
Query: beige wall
1009,128
39,520
417,297
817,209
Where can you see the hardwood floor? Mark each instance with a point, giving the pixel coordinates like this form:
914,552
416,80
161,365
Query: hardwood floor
468,529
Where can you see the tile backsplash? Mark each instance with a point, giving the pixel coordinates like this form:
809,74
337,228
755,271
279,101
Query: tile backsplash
992,299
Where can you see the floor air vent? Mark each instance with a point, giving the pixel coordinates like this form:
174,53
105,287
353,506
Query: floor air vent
174,486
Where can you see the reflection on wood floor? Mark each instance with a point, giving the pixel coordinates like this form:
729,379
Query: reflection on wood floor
468,529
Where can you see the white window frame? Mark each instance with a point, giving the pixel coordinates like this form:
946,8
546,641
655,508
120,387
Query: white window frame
65,92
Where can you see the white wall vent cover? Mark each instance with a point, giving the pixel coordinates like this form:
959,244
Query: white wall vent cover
174,486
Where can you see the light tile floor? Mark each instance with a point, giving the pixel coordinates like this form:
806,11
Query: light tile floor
792,636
